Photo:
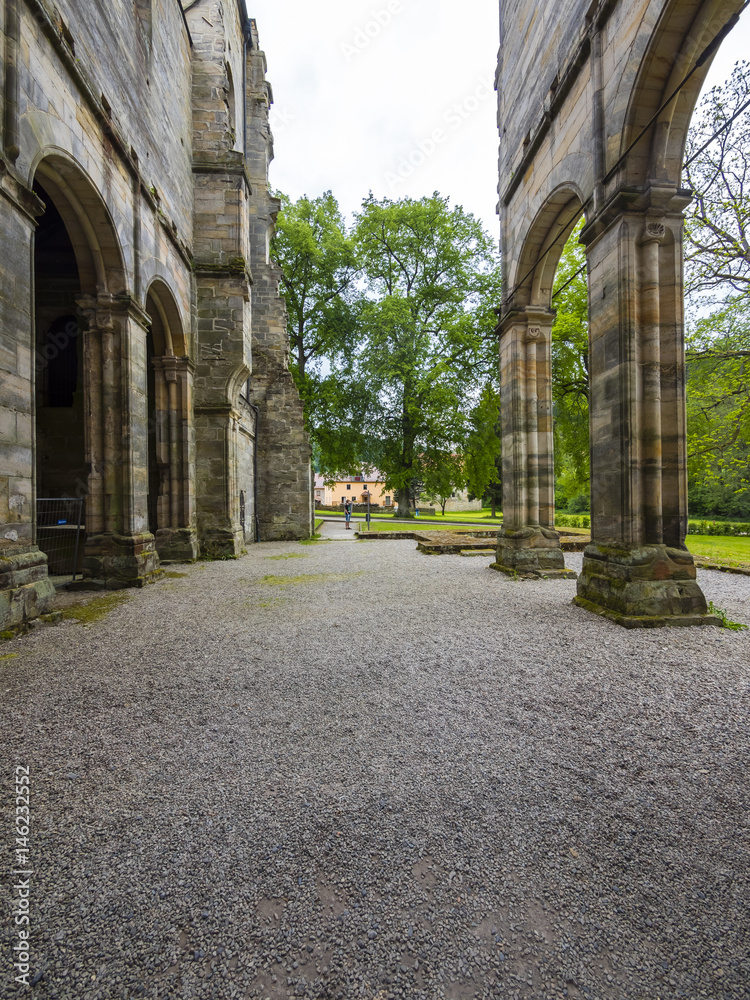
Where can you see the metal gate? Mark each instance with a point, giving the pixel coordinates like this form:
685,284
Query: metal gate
58,534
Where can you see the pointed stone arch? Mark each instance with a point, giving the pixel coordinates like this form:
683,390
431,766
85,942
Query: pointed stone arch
171,447
528,542
610,105
112,326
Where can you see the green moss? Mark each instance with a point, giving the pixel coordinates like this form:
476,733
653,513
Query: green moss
175,575
284,581
8,656
7,634
93,610
289,555
313,541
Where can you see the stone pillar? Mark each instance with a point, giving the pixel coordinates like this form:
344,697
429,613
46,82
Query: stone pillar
527,543
637,570
25,589
176,538
120,550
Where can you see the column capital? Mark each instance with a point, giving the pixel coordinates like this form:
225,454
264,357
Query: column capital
174,368
101,310
530,323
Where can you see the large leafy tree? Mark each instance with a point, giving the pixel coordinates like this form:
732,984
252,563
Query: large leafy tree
319,272
717,225
426,345
483,449
717,259
318,264
570,372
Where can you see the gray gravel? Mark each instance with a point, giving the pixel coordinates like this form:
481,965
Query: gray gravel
394,776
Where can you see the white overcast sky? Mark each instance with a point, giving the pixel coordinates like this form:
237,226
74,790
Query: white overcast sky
363,87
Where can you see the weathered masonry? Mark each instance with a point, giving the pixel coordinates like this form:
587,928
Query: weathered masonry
595,100
143,347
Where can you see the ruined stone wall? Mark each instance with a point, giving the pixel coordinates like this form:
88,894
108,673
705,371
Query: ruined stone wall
132,130
594,104
285,506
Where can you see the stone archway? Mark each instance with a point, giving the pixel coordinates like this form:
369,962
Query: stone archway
170,502
527,542
617,88
119,551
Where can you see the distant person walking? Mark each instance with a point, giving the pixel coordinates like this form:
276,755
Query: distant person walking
348,513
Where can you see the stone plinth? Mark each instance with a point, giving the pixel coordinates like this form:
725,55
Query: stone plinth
176,544
121,560
532,552
642,586
25,589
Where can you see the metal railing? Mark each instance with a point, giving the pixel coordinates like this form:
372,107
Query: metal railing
58,534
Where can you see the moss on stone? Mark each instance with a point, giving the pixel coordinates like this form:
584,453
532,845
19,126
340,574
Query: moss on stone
281,581
93,610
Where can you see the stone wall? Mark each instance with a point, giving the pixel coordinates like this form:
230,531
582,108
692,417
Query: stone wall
589,124
285,504
127,121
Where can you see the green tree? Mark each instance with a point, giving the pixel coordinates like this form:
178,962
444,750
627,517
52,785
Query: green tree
426,324
570,372
318,266
717,259
718,409
717,223
443,477
483,450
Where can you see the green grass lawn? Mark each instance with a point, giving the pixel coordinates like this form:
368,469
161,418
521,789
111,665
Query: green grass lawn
403,526
455,517
730,549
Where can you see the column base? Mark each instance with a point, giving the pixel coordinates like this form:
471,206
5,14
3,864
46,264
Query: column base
531,552
221,543
119,561
25,589
644,586
177,545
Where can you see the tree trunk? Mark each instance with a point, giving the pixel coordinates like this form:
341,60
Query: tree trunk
443,505
492,501
402,499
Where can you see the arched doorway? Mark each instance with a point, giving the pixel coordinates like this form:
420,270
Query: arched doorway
528,543
87,414
169,390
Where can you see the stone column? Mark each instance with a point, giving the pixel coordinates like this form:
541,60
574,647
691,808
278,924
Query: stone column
527,543
176,536
637,570
120,550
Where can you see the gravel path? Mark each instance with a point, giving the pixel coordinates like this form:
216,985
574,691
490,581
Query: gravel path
341,771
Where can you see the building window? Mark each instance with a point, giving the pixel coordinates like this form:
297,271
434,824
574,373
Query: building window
387,501
343,499
348,486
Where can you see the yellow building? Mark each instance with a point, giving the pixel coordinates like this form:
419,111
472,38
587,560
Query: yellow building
354,488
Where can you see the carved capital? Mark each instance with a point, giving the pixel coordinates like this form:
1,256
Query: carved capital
654,231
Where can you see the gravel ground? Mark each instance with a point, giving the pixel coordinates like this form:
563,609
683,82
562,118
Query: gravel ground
339,771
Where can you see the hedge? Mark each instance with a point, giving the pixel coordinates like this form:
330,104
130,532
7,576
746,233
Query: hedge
694,527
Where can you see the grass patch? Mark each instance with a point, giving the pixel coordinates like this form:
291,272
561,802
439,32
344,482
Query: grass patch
730,550
285,581
313,541
412,526
289,555
174,575
454,517
726,621
95,609
8,656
